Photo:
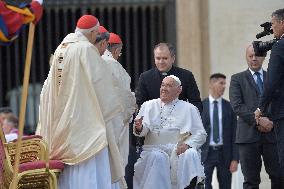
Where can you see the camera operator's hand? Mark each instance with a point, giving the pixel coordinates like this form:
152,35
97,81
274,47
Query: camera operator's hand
264,124
262,129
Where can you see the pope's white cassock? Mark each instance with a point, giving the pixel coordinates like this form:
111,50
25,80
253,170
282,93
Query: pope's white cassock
76,103
121,81
164,126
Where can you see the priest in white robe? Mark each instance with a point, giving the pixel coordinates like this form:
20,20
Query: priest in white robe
121,84
121,81
173,133
76,103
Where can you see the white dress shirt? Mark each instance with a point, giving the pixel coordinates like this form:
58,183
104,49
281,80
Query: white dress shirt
211,107
255,77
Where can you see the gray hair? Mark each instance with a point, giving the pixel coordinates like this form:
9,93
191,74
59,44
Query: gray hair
102,36
112,47
168,45
279,14
87,31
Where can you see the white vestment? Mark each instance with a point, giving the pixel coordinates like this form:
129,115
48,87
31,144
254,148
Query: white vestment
76,104
93,173
121,81
165,126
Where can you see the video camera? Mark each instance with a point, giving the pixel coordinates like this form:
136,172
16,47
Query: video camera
261,48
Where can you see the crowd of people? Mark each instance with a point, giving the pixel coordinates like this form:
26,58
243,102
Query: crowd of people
87,107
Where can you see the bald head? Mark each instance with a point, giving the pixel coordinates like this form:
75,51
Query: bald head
254,62
164,56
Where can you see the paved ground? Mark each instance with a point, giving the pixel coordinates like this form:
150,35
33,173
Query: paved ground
238,180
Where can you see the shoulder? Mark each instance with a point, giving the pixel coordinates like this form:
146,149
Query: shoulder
150,104
281,41
279,45
205,100
226,104
85,48
182,71
225,101
239,75
187,105
149,74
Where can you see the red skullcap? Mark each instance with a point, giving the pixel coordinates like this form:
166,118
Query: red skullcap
114,39
87,22
102,29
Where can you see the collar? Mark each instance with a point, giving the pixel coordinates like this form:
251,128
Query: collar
168,104
107,53
260,71
211,99
168,72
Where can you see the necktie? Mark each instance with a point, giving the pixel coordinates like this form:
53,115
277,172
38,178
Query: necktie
259,82
215,122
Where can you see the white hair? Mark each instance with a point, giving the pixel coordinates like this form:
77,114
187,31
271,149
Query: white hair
86,31
175,78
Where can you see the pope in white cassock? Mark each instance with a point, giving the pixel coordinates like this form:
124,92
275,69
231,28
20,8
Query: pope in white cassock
76,104
173,133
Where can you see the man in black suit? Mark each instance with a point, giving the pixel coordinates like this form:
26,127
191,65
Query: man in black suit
150,81
219,121
254,141
272,100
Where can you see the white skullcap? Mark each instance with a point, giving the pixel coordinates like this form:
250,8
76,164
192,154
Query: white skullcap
175,78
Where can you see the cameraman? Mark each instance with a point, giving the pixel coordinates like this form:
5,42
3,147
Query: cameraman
273,96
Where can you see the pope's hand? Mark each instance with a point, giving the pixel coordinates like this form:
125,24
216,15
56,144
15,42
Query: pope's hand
181,148
138,124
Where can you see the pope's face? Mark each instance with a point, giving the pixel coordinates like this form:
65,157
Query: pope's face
163,59
169,90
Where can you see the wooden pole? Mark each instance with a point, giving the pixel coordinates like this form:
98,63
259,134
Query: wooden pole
23,103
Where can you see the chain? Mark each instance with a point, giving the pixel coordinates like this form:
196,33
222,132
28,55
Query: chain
164,119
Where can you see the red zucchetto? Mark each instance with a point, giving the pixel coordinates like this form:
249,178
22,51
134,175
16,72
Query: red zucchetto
87,22
102,29
114,39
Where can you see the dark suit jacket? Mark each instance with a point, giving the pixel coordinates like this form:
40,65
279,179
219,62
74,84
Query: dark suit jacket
149,84
229,122
244,98
273,94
